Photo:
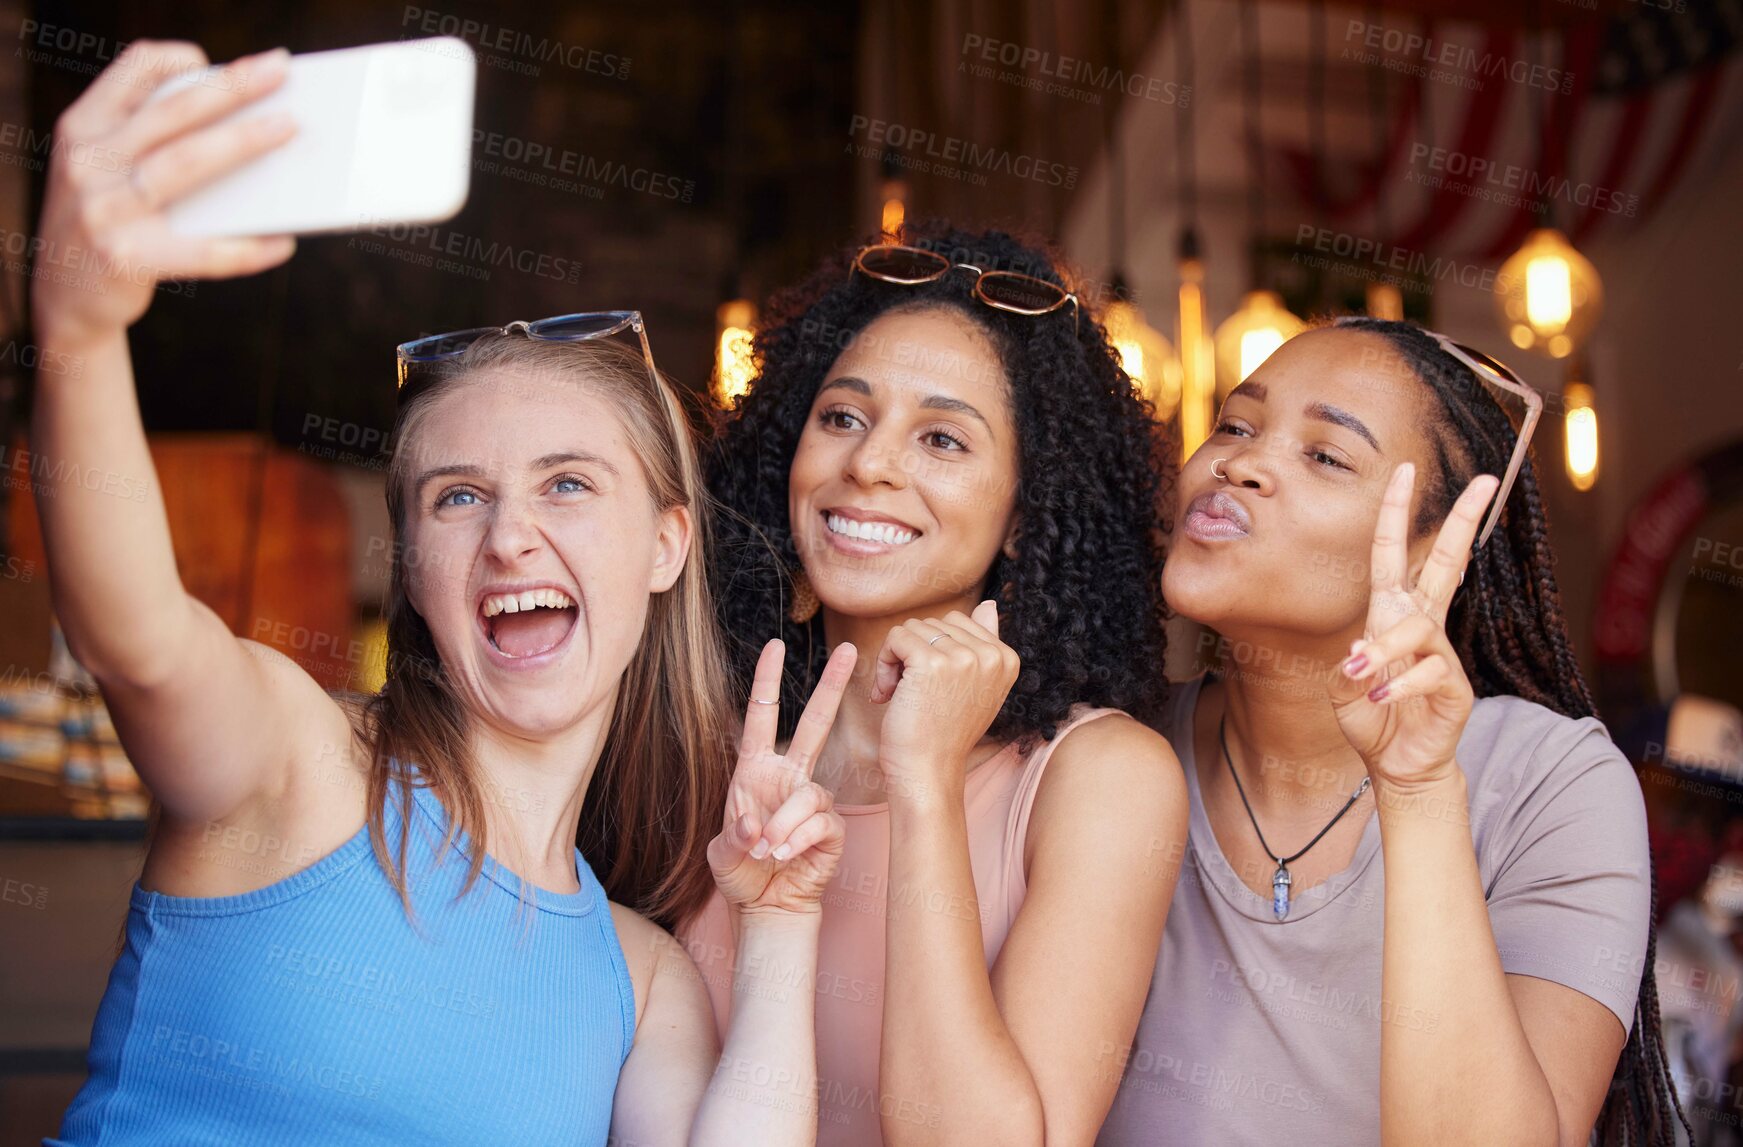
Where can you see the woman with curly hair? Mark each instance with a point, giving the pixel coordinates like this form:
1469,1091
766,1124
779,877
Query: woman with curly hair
935,426
1418,902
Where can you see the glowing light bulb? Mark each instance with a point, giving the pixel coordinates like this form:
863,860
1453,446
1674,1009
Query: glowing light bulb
1548,294
1549,300
1146,355
734,364
1256,347
894,194
1197,359
1248,337
1580,435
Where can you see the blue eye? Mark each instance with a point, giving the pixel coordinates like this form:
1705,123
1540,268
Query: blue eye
573,480
453,491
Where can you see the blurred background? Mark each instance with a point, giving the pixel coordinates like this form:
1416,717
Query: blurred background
1554,182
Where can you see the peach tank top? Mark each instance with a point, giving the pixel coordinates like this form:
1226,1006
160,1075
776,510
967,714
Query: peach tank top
999,795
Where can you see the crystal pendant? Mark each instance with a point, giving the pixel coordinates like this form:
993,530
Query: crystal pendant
1280,892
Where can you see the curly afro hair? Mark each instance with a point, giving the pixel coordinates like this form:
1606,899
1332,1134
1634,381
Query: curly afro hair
1081,603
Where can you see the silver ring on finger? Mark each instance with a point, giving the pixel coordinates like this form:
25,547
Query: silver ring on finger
940,637
760,701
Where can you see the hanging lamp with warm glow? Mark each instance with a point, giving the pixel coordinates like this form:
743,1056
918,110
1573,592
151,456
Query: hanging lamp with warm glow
893,195
734,365
1197,355
734,319
1145,353
1246,338
1262,322
1197,358
1549,294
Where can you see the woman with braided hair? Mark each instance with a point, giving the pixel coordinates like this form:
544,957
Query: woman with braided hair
1416,905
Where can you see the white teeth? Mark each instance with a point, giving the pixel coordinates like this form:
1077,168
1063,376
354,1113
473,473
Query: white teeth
870,531
527,599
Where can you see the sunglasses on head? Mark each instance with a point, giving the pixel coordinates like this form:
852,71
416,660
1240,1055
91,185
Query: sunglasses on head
1007,290
559,328
1492,371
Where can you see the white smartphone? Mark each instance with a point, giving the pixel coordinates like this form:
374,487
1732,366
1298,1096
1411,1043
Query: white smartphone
384,135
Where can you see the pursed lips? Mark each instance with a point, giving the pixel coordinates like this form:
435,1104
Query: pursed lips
1216,515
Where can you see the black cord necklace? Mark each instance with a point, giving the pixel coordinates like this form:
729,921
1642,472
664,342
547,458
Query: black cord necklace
1280,879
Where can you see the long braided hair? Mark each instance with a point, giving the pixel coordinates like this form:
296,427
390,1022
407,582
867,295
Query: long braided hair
1511,637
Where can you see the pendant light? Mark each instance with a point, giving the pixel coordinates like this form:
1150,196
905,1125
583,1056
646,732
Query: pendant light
1145,352
893,198
892,185
1197,358
1146,355
734,366
1549,295
1262,322
1579,426
734,319
1246,338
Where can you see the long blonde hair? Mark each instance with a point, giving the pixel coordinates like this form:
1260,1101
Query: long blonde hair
657,794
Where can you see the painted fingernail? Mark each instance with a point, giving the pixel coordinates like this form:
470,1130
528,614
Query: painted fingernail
783,852
759,850
1355,666
1378,692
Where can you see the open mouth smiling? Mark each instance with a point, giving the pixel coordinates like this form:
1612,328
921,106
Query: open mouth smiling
862,532
526,623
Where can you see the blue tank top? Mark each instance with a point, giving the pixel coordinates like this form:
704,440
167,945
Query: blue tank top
314,1011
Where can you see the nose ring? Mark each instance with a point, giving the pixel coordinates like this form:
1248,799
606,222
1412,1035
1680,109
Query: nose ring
1223,476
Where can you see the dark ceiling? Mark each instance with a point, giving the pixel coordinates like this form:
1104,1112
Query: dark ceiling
637,156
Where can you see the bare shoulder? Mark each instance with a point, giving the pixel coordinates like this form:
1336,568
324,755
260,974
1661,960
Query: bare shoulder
1111,775
1115,752
652,955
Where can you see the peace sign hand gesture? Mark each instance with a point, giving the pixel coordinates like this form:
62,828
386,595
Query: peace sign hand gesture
1402,698
781,841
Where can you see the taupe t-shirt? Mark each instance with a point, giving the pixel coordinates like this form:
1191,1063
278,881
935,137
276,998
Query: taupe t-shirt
1265,1032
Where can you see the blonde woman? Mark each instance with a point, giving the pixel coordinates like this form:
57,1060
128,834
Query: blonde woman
422,954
